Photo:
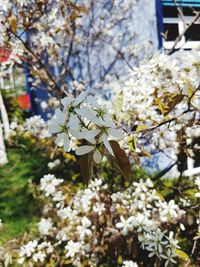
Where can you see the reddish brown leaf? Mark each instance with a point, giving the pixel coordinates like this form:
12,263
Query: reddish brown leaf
122,159
86,165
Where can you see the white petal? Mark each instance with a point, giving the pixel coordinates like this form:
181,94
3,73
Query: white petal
60,117
73,121
66,142
115,133
54,128
97,156
106,121
76,133
119,225
82,150
92,101
59,138
90,134
66,101
80,98
88,114
104,138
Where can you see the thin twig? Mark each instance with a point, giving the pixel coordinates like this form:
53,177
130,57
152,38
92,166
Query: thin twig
180,11
42,65
171,51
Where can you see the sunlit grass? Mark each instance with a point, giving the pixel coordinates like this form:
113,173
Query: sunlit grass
18,210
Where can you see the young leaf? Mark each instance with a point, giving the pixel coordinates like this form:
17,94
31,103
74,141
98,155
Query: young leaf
189,88
141,128
122,159
132,143
13,23
160,105
182,255
118,103
86,165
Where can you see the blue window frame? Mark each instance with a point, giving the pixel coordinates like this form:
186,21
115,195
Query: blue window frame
182,3
171,24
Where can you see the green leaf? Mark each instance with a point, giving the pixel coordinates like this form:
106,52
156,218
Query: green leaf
119,260
86,165
190,88
160,105
132,143
122,159
141,128
182,255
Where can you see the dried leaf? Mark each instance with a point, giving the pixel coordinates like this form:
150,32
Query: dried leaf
170,101
13,23
144,153
122,159
86,165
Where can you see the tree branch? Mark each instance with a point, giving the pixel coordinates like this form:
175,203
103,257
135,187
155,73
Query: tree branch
172,50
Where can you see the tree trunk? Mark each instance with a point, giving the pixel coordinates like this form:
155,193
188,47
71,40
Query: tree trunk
3,155
4,117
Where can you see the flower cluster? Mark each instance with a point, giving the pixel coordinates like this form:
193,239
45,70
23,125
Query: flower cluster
96,223
49,183
37,251
36,125
161,75
164,89
83,119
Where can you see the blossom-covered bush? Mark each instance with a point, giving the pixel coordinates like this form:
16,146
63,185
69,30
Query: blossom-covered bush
159,102
96,226
71,47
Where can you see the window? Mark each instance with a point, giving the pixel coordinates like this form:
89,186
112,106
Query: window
175,22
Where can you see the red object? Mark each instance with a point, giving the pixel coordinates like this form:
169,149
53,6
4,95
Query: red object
24,101
4,55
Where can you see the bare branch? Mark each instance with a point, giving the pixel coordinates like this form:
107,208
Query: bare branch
172,50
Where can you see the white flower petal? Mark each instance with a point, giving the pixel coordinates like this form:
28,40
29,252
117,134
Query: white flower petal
73,121
106,121
76,133
66,142
59,116
59,138
82,150
104,138
80,98
115,133
97,156
90,134
88,114
66,101
54,128
92,101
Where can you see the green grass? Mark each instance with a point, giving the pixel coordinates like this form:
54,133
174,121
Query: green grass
18,210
